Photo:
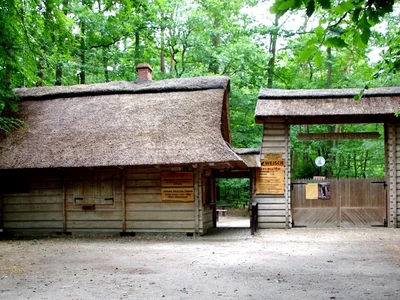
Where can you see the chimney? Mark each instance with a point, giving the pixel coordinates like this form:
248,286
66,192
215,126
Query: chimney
144,72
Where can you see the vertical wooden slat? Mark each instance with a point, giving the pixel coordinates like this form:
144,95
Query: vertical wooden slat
288,222
339,189
392,170
1,211
123,179
64,205
197,197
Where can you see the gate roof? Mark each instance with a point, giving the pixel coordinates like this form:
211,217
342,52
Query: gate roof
328,105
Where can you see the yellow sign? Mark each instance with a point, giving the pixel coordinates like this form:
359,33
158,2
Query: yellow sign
178,179
178,194
312,191
271,179
273,156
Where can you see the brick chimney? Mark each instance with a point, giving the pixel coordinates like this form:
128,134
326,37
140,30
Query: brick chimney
144,72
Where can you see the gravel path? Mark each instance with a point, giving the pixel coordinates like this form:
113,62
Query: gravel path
229,264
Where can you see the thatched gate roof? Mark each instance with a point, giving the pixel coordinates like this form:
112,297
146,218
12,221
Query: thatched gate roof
329,105
177,121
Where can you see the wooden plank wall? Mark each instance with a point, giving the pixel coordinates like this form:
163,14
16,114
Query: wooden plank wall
145,210
393,133
106,218
39,209
274,210
59,201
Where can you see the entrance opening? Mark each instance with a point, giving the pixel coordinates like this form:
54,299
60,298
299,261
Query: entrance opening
233,202
338,175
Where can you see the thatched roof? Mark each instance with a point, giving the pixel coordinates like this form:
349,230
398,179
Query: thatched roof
175,121
330,102
251,156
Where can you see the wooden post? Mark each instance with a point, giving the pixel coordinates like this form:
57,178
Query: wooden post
338,203
64,207
123,199
1,211
392,163
197,192
213,200
287,177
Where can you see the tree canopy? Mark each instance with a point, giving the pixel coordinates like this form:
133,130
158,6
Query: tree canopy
305,44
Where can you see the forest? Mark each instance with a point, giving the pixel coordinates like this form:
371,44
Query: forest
303,44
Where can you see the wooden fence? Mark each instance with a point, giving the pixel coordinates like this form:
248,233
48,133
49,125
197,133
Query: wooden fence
352,201
350,192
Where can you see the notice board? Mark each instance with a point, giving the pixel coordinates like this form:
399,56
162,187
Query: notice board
177,186
271,176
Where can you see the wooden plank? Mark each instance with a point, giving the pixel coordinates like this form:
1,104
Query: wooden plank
281,225
143,176
95,215
142,183
45,185
262,219
160,206
141,190
70,206
272,213
34,216
30,207
143,198
338,136
275,145
160,225
33,225
272,206
275,125
159,215
32,193
90,225
31,199
265,200
143,170
273,138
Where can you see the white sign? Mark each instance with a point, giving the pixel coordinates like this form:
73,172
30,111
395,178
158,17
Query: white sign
320,161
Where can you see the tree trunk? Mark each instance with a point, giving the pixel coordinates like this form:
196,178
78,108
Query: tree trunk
105,66
329,66
137,48
59,73
272,52
82,53
40,73
162,56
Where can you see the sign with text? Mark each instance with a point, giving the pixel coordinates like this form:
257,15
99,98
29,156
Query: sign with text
178,194
178,179
272,156
271,177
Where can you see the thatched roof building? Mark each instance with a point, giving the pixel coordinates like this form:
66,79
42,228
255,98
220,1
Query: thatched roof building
304,106
176,121
251,156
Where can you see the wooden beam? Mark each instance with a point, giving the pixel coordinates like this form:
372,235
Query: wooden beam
338,136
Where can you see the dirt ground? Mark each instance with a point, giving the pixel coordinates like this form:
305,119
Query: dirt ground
229,263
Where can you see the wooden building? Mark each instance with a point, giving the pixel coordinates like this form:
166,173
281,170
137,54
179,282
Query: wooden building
278,109
118,157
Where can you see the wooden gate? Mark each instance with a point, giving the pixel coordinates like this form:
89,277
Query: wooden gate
353,202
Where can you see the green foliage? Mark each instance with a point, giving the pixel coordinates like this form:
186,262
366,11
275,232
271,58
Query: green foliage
346,25
344,158
235,192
